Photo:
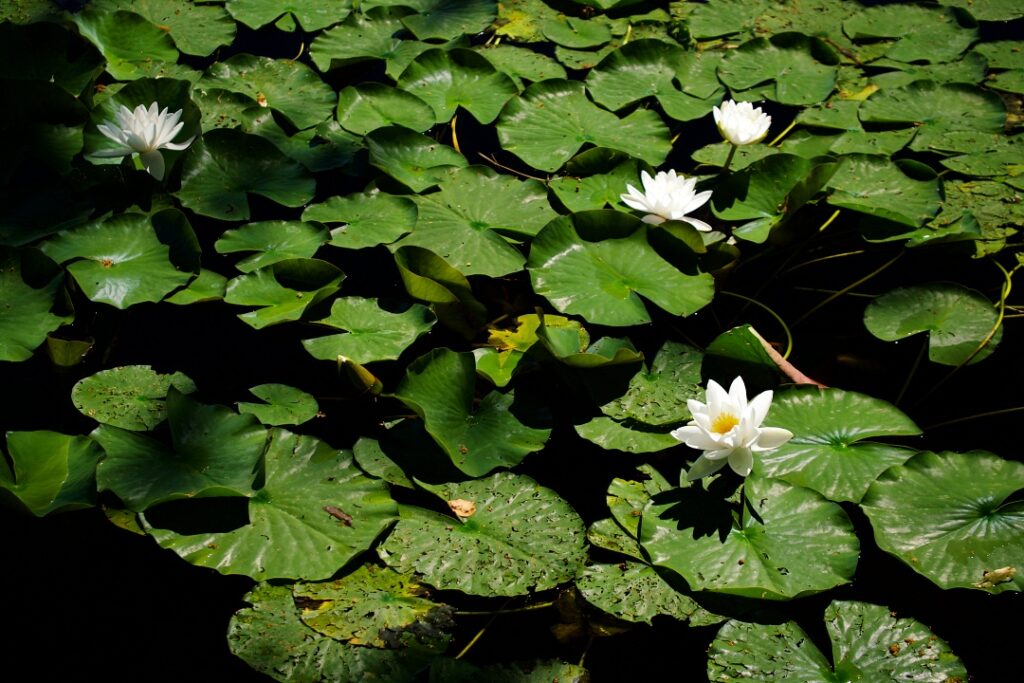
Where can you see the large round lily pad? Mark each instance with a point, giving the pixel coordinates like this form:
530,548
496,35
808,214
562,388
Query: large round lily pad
869,643
314,513
948,517
132,45
521,537
604,280
957,320
877,186
805,544
920,33
826,453
410,158
791,68
448,79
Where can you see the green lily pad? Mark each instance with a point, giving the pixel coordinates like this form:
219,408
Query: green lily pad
27,317
314,514
448,79
957,320
367,107
131,397
1008,81
612,435
868,642
464,221
286,86
196,29
603,280
428,277
970,69
272,639
371,333
791,68
283,291
725,17
410,158
575,32
508,346
570,348
207,286
121,261
368,219
52,472
877,186
936,106
522,538
826,453
129,42
592,192
219,171
373,606
768,191
634,592
552,120
313,15
1001,54
521,64
448,670
984,211
920,33
439,387
805,545
273,241
658,396
608,535
993,10
214,452
284,405
363,36
447,19
948,517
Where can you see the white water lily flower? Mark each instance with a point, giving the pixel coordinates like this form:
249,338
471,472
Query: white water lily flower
667,197
728,429
144,131
741,124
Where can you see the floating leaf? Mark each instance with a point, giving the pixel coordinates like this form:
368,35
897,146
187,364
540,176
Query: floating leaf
374,606
464,221
69,61
920,33
361,37
575,32
371,333
879,187
368,219
447,19
273,241
634,592
130,43
521,64
595,191
951,518
287,86
131,397
658,396
725,17
439,387
312,14
25,306
957,320
52,472
938,106
569,347
522,538
791,68
509,346
410,158
225,165
805,544
448,670
315,513
552,120
428,277
272,639
448,79
367,107
207,286
284,290
826,453
121,261
616,436
868,641
284,405
214,452
196,29
603,280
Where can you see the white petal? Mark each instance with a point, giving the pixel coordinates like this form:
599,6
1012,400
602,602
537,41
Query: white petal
741,461
110,153
738,392
648,181
653,219
771,438
759,407
702,467
178,146
699,200
698,224
112,132
153,162
696,438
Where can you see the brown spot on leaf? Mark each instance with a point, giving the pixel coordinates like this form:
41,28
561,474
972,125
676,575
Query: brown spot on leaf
462,508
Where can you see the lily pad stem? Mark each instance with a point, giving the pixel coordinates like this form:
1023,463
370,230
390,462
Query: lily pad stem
728,159
513,610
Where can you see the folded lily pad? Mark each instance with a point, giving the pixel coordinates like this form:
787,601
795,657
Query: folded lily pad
131,44
27,317
52,471
283,291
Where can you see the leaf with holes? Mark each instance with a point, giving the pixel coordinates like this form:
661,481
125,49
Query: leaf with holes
522,538
131,397
634,592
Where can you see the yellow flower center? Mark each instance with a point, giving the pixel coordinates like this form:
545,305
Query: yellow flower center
723,423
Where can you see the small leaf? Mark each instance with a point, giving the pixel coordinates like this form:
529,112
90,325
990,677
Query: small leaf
131,397
371,333
284,405
283,291
273,240
634,592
